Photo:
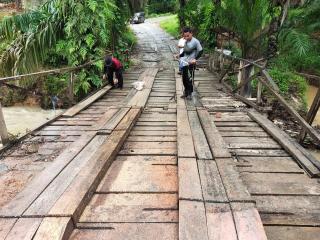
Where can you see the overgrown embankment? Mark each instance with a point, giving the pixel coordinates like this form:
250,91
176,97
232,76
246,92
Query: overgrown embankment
57,34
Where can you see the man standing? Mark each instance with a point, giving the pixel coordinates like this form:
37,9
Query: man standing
192,51
113,65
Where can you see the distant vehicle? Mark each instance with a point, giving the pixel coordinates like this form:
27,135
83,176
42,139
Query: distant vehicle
138,18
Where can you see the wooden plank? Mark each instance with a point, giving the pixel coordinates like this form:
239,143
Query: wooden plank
245,134
240,129
309,129
155,144
154,133
55,229
6,225
189,181
215,140
155,128
309,163
184,135
292,232
115,119
152,138
74,199
268,164
149,151
45,201
23,200
260,152
248,222
211,183
132,231
236,124
192,221
220,222
281,184
85,103
24,229
105,118
140,175
131,207
292,219
128,120
233,184
200,142
159,124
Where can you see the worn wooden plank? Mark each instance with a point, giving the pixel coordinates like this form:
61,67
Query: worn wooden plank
131,207
105,118
132,231
215,140
55,229
233,184
84,104
24,229
129,119
199,139
6,225
74,199
292,232
140,175
149,151
292,219
220,222
192,221
211,183
153,133
115,119
24,199
260,152
248,222
42,205
308,162
152,138
155,144
184,135
244,134
268,165
189,180
159,124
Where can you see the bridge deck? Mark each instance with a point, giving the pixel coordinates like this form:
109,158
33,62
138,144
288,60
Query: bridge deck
147,164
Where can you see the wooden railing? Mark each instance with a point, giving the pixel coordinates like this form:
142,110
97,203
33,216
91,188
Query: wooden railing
248,70
4,136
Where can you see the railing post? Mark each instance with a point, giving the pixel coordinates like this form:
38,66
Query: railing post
70,89
259,92
3,129
244,74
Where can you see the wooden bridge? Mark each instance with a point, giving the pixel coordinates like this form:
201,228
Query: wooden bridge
128,164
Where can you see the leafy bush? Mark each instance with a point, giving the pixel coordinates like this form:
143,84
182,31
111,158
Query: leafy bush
163,6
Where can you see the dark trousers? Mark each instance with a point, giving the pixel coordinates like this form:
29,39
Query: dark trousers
187,73
119,76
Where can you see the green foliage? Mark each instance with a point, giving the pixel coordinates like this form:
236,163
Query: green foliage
171,25
163,6
65,32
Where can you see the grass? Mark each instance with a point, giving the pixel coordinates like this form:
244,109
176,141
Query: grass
171,25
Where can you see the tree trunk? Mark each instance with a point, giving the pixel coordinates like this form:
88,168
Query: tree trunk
3,129
182,20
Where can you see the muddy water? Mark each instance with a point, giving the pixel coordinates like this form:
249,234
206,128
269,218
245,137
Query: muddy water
311,93
21,119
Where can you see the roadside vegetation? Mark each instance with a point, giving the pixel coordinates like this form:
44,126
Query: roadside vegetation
171,25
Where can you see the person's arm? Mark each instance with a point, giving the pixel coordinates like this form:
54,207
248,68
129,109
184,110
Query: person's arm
199,50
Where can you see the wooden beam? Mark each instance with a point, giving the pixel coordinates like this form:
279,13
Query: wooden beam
311,114
4,136
85,103
306,161
310,130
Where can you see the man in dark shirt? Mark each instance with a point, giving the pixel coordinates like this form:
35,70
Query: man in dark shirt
113,65
192,51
